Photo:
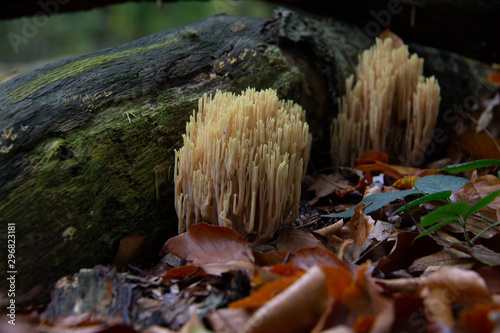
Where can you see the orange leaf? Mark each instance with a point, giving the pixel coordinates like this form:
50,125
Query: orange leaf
494,78
363,296
285,269
266,292
363,183
215,249
269,258
363,324
481,145
371,156
302,307
184,271
204,243
356,296
338,279
318,256
378,166
477,319
405,183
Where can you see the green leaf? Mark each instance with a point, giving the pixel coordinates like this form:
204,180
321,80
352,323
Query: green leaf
439,183
436,227
468,166
435,196
446,212
374,202
481,203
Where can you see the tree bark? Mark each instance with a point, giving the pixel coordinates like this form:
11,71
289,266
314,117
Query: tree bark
88,143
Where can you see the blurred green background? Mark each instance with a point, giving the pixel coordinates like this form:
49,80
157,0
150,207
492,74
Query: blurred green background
68,34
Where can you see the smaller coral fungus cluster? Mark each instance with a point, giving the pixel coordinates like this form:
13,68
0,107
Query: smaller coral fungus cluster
390,108
242,162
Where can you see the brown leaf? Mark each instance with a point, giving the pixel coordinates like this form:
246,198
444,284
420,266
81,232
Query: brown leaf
318,256
266,255
380,232
359,226
491,275
479,318
330,230
130,248
363,296
306,301
216,249
327,184
449,286
378,166
183,272
362,184
285,269
371,156
228,320
481,145
291,240
267,292
480,253
445,257
338,279
405,251
459,284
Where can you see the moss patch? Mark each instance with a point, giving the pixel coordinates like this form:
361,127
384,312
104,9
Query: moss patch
78,67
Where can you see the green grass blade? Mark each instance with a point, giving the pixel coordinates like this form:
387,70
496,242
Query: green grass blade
483,231
468,166
449,211
436,227
481,203
443,195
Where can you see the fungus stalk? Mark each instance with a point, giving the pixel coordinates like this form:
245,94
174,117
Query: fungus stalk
242,163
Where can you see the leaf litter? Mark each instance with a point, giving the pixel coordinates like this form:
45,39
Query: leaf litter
366,268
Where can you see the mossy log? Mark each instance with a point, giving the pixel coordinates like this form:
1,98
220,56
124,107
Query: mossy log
87,146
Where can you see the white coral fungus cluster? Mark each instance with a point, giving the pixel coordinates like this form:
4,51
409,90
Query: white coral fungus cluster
390,108
242,163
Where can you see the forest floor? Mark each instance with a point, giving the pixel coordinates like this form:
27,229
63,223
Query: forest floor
375,248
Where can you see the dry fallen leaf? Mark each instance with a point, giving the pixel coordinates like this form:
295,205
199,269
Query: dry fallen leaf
445,257
363,296
306,301
491,274
405,251
481,145
130,248
266,292
327,184
215,249
449,286
227,320
318,256
291,240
